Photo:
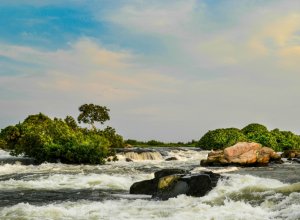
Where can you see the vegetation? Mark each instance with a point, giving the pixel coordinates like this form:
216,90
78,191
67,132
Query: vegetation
90,113
154,143
45,139
276,139
220,138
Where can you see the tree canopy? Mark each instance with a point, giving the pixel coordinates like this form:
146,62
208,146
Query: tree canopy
90,113
276,139
52,140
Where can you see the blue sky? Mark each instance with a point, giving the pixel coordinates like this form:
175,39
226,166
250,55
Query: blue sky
168,70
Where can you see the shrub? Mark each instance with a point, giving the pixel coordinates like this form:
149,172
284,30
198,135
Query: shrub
254,127
49,140
221,138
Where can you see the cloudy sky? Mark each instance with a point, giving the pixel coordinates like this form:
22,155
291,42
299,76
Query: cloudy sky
168,69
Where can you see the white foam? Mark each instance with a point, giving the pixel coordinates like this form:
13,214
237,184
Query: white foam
78,181
179,208
5,154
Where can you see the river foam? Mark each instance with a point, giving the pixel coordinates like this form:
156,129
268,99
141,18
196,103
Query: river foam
101,192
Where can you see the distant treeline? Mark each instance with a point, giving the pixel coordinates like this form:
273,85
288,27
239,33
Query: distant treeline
224,137
154,143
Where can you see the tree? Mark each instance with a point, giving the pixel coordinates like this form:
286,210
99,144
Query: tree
91,113
50,140
116,140
254,127
221,138
71,122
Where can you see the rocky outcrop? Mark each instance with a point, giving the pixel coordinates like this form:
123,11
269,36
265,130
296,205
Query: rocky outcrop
292,155
170,183
242,153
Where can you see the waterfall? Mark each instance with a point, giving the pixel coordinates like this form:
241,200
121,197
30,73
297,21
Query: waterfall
143,155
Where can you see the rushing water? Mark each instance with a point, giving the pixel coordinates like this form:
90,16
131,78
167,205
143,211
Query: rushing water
59,191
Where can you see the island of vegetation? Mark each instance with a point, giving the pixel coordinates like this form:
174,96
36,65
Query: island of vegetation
62,140
276,139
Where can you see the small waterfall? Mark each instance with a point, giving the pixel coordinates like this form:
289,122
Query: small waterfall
143,155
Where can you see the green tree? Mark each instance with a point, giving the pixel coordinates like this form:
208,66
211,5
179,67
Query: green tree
90,113
254,127
50,140
286,140
116,140
221,138
71,122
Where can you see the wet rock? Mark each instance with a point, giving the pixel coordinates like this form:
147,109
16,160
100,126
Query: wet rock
291,154
128,159
173,182
242,153
171,158
296,160
149,187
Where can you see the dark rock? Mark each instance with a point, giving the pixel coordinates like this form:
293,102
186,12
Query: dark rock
170,183
296,160
168,172
291,154
128,160
171,158
147,187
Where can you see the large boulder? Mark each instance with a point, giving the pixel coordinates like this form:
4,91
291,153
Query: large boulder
173,182
242,153
149,187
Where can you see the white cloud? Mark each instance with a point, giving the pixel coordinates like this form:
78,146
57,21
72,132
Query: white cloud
210,73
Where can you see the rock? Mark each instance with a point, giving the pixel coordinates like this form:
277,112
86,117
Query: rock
242,153
128,159
149,187
171,158
168,172
296,160
173,182
240,149
291,154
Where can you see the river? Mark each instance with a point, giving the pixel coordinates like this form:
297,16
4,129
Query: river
60,191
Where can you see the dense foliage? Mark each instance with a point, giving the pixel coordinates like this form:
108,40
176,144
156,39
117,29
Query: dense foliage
221,138
45,139
90,113
155,143
276,139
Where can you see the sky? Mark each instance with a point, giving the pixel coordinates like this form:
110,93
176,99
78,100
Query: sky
168,70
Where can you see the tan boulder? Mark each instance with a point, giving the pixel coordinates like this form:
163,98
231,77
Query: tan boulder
242,153
240,148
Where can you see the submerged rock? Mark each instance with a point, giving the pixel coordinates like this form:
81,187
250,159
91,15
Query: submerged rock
170,183
171,158
242,153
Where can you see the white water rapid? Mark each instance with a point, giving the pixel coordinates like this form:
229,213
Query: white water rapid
60,191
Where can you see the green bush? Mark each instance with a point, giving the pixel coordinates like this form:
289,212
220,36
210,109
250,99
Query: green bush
254,127
286,140
49,140
220,138
276,139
